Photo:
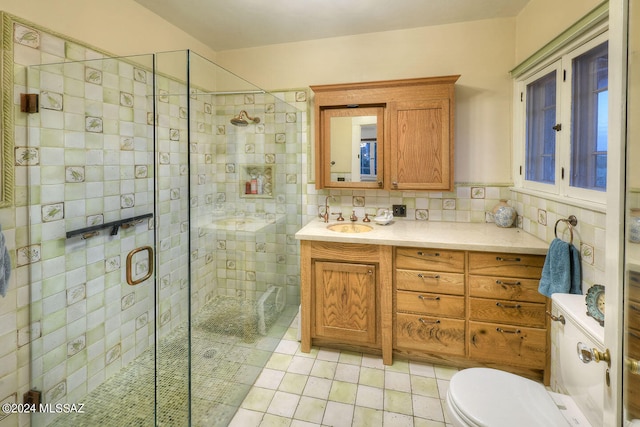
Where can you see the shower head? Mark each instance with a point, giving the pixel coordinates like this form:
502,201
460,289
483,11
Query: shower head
243,119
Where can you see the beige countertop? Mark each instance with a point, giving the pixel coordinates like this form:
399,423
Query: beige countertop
425,234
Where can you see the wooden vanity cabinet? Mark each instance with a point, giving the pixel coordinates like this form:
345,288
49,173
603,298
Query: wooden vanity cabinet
463,308
415,141
429,301
631,374
507,320
344,289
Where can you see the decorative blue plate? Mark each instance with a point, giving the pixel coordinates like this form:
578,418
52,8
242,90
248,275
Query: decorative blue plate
595,303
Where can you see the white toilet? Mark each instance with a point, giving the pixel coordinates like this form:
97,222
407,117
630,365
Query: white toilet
492,398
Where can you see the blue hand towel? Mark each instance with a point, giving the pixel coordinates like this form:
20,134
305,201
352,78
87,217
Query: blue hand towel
561,272
5,265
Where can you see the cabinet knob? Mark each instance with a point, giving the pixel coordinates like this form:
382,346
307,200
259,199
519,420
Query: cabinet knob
502,282
499,258
395,184
380,184
505,331
423,298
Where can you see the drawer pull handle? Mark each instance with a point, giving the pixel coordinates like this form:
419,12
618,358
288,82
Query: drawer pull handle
516,306
499,258
504,331
423,298
423,276
420,253
555,318
502,282
428,322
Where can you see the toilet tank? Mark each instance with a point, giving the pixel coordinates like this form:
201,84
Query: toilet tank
584,382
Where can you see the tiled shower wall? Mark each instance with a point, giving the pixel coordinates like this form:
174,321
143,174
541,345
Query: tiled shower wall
87,158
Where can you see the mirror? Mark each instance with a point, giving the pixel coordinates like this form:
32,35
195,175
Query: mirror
352,147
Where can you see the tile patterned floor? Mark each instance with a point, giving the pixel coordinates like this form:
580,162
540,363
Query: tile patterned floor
329,387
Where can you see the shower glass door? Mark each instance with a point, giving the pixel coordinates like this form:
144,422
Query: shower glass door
95,214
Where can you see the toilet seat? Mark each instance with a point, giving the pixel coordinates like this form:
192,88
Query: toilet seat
484,397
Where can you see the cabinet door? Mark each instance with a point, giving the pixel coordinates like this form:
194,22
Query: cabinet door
345,305
421,146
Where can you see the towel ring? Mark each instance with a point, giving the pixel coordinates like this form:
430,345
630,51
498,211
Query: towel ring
572,221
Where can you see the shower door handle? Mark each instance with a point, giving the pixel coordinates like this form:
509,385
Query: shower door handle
130,280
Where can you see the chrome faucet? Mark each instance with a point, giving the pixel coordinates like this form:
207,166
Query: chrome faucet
325,216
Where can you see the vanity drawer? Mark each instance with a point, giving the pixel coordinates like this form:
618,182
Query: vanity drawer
512,312
434,304
429,334
508,345
512,288
505,264
430,259
430,281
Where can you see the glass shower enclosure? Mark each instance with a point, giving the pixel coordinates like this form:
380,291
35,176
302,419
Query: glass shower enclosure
164,193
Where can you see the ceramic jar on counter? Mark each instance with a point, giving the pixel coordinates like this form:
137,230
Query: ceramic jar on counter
503,214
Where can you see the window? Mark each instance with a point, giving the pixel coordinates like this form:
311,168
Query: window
565,124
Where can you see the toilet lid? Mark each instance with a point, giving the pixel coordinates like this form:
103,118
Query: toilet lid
490,398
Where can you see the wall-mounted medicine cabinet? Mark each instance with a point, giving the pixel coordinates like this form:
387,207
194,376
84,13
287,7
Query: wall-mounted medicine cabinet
393,135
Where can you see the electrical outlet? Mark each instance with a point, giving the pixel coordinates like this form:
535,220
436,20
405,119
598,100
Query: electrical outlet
400,211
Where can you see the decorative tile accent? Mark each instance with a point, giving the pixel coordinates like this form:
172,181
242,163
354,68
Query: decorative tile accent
127,201
182,113
449,204
184,226
27,156
112,354
126,99
292,178
587,253
207,108
128,301
291,117
150,120
270,158
164,158
163,95
76,345
174,134
142,267
26,36
261,247
126,143
249,148
301,96
141,171
112,264
270,108
281,138
93,124
221,130
231,264
249,99
75,294
29,333
208,159
221,245
542,217
51,100
422,214
165,317
230,168
74,174
53,212
477,192
202,179
95,220
92,75
56,392
28,254
208,199
142,320
184,169
208,258
139,75
358,201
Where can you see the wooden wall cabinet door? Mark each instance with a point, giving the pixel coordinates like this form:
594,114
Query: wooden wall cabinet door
345,302
421,145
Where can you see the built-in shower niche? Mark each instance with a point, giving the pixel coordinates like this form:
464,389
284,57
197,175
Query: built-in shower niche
257,181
